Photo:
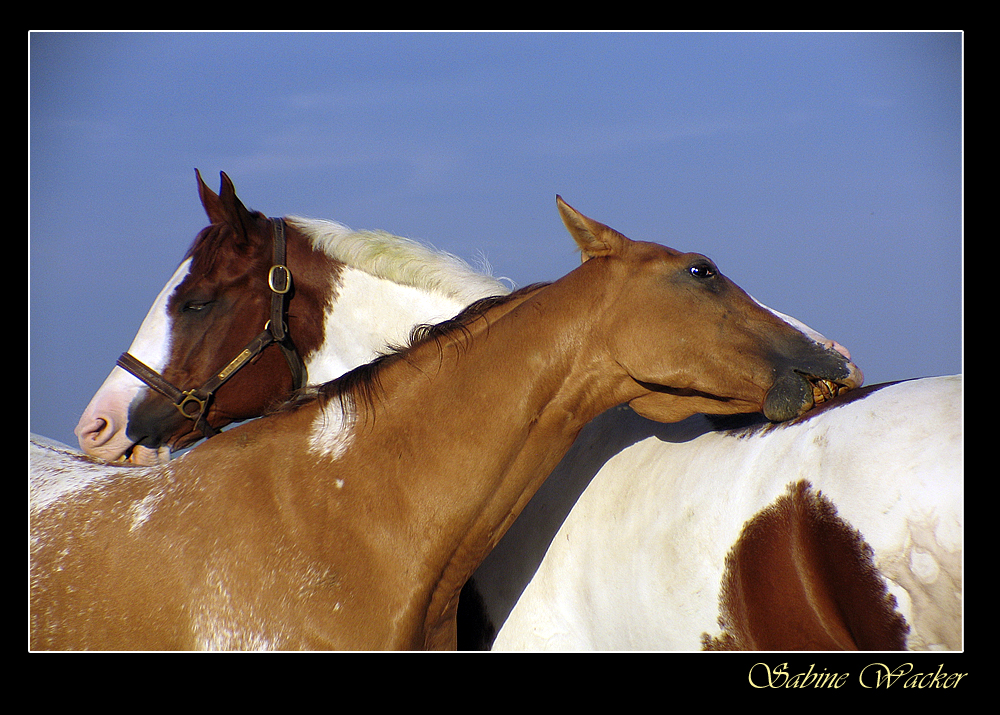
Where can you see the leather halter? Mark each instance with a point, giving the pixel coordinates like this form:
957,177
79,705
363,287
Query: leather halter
193,404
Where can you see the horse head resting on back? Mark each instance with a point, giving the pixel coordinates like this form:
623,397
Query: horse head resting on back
330,298
384,491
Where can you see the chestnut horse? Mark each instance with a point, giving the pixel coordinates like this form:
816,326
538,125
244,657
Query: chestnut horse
352,519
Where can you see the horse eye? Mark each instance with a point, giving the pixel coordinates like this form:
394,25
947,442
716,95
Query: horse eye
193,306
703,270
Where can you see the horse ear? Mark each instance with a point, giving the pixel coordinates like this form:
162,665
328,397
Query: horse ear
592,237
210,200
224,207
238,216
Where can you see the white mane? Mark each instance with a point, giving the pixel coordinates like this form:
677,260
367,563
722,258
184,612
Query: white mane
398,259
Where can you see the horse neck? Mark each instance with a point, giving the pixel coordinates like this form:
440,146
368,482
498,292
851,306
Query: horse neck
382,286
467,432
370,316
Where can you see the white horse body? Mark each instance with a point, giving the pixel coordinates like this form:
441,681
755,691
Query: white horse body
639,561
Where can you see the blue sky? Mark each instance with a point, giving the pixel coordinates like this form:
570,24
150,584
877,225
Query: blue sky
821,171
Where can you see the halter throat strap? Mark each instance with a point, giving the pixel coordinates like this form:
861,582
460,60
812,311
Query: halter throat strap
193,404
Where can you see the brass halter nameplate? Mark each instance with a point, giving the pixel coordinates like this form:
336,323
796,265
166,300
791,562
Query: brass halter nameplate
235,365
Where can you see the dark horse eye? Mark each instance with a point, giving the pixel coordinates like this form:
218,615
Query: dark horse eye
703,270
193,306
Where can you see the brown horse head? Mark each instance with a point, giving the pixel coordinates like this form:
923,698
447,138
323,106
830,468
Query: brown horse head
216,311
728,353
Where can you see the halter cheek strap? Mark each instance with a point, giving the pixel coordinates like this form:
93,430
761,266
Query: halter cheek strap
193,404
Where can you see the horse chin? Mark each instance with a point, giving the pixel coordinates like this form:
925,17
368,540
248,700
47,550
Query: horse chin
794,394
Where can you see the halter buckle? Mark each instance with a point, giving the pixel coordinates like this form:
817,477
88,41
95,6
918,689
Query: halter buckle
188,398
286,279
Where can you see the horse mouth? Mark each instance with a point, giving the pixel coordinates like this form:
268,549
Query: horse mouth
824,390
795,393
140,456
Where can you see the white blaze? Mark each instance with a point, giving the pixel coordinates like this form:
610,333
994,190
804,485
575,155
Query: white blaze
101,429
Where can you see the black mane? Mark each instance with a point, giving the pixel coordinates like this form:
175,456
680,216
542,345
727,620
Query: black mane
362,383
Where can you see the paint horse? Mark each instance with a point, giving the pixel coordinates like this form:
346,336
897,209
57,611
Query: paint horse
337,298
840,529
685,451
352,519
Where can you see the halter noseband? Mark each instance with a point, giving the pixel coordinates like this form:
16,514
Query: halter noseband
193,404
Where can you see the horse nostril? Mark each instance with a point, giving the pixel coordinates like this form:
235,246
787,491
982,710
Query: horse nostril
834,345
98,431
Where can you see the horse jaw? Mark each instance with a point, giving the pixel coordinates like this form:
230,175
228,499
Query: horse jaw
668,406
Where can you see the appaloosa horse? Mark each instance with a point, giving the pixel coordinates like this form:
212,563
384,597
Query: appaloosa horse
331,298
353,518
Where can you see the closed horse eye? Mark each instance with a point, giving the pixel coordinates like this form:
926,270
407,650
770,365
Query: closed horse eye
194,306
